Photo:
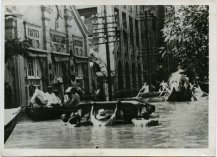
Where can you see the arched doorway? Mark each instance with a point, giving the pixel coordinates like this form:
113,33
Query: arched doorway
120,75
134,75
127,75
139,76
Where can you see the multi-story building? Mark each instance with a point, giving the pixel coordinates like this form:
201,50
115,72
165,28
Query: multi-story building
132,62
59,48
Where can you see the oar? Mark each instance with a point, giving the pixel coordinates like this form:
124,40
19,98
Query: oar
139,93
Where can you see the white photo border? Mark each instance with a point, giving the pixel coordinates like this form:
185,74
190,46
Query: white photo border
210,151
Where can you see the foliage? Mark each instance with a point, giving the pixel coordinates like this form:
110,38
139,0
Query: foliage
186,35
15,47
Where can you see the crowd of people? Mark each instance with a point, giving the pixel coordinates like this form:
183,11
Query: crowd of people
53,98
71,98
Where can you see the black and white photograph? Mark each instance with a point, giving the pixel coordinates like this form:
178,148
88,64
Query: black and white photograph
106,76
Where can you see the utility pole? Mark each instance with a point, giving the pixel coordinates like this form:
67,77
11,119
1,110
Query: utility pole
106,31
107,55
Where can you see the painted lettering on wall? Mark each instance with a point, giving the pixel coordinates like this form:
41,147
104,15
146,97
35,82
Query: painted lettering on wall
33,33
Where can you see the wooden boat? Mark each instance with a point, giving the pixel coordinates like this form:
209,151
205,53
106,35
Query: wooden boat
183,95
126,109
11,118
151,94
43,113
179,87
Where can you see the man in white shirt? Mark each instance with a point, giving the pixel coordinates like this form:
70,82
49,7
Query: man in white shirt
50,97
38,96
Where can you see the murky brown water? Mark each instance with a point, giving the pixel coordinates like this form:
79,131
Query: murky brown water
182,125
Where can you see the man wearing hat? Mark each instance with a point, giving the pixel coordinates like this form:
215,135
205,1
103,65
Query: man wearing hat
102,118
50,97
71,98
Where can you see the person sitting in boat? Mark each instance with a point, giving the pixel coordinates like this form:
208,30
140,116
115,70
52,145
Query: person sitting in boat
56,92
38,96
72,99
102,118
163,86
51,98
144,89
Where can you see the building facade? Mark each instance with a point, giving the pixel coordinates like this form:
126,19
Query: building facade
132,62
58,48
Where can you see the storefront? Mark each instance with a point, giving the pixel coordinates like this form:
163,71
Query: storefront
35,64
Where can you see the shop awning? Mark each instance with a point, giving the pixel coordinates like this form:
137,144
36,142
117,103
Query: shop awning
80,59
37,52
60,57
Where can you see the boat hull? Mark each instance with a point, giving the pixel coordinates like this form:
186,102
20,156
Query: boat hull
43,113
127,110
183,95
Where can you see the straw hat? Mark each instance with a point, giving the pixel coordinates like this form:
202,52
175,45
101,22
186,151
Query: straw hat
101,114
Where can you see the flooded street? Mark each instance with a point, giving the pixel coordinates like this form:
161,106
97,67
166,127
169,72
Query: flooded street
182,125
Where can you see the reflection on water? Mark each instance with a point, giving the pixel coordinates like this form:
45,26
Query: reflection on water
182,125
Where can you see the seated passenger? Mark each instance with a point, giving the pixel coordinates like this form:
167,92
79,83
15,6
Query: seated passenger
75,97
38,96
51,97
144,89
71,99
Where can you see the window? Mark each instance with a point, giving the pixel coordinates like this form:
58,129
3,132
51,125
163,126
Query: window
124,19
81,52
33,68
117,16
30,70
58,69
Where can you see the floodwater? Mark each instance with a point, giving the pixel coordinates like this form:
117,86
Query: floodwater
182,125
